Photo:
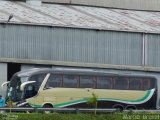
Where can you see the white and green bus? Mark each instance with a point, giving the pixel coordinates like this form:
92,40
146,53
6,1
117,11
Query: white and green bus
71,88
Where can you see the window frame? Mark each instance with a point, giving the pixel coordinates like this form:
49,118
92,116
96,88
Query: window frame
61,81
133,79
111,81
93,80
120,77
77,79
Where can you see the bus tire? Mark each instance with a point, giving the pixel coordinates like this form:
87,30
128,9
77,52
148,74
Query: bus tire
48,105
119,108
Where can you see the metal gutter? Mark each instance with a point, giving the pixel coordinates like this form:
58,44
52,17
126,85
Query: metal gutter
78,64
68,26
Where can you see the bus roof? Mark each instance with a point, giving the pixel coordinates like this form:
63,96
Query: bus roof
29,72
78,71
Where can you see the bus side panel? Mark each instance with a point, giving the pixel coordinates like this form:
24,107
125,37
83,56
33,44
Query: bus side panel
150,104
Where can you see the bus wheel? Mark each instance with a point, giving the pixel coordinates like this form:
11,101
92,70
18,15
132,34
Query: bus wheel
47,106
118,108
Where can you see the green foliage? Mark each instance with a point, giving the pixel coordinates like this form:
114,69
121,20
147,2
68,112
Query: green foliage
52,116
93,100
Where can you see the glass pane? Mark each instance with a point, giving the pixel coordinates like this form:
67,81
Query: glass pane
152,83
54,81
39,79
14,88
104,82
32,89
70,81
135,84
146,84
121,83
86,82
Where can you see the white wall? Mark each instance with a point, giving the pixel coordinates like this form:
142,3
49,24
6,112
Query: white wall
3,77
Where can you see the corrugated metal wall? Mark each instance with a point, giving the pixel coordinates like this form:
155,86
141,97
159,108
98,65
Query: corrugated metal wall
97,46
126,4
153,50
73,45
79,45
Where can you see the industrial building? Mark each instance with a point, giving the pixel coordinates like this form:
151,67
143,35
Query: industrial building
70,33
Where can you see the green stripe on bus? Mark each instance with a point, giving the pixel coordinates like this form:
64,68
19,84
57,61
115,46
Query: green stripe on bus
67,103
138,100
85,100
35,105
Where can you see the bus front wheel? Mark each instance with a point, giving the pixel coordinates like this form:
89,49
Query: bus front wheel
47,106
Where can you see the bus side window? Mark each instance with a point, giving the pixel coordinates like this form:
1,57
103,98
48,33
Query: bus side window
87,82
70,81
30,91
39,79
54,80
146,84
135,84
104,82
121,83
152,83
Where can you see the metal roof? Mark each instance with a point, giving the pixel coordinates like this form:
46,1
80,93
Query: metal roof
80,17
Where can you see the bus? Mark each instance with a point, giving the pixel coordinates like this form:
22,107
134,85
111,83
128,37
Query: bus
71,88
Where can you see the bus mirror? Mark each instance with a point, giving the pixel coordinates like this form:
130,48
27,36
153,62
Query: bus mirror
3,84
24,84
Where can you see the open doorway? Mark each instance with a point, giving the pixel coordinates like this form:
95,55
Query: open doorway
12,68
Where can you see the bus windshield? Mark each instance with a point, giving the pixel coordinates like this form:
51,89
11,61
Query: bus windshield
13,90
